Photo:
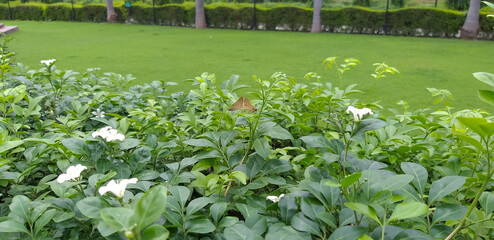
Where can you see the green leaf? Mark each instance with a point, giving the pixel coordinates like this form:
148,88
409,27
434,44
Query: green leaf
91,206
275,166
261,145
240,231
396,182
227,221
77,146
240,176
12,226
316,141
199,226
155,232
277,132
412,234
473,123
487,202
487,78
198,204
181,194
488,128
129,143
444,186
472,141
351,179
364,209
20,207
43,220
117,218
5,146
217,210
150,206
487,96
448,211
288,207
311,207
347,233
327,218
200,143
408,210
368,125
301,223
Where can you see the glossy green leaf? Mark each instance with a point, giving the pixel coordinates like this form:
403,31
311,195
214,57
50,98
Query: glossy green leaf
198,204
12,226
301,223
155,232
364,209
275,166
488,128
277,132
487,78
445,212
240,176
288,208
311,207
117,218
487,96
5,146
368,125
43,220
487,202
351,179
150,206
91,206
199,226
474,124
200,143
261,145
77,146
181,194
240,231
20,206
347,233
129,143
444,186
472,141
316,141
396,182
412,234
217,210
408,210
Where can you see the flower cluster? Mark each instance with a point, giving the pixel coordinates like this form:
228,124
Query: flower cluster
117,187
108,134
275,198
73,172
98,113
358,114
48,62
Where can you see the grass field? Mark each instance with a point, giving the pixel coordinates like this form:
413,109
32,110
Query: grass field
175,54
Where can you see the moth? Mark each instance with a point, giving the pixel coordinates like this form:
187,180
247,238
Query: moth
243,104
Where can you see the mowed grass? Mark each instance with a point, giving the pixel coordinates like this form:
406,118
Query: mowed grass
176,54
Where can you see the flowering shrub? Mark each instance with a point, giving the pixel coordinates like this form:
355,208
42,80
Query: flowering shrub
310,163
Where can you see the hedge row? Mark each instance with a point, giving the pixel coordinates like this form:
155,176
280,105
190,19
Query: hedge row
402,22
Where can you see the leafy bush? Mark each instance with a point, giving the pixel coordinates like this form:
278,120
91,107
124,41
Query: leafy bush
88,156
460,5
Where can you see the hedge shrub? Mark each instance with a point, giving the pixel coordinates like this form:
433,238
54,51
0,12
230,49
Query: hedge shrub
402,22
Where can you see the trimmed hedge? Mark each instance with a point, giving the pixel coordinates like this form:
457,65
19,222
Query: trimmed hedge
402,22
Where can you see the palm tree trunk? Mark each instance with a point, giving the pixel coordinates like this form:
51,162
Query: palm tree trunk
200,15
111,15
316,17
471,27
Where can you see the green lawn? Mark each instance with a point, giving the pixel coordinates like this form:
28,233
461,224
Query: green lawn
175,54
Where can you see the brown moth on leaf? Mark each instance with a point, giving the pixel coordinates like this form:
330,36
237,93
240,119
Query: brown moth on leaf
243,104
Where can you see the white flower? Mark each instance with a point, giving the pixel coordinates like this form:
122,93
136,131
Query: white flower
98,113
117,187
358,114
108,134
48,62
275,198
73,172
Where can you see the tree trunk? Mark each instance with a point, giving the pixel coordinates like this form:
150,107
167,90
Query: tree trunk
471,27
316,17
200,15
111,15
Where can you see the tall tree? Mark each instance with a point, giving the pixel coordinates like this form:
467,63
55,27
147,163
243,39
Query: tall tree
471,27
200,14
316,17
111,15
